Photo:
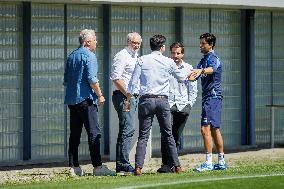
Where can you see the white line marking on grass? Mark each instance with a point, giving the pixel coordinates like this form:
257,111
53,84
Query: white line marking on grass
199,180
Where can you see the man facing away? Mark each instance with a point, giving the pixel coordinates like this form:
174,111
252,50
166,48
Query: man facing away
83,94
209,70
151,80
122,68
182,96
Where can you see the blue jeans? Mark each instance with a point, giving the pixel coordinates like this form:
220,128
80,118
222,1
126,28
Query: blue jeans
147,108
126,127
84,113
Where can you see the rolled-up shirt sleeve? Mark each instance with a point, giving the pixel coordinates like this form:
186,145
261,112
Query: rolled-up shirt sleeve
134,84
117,67
92,69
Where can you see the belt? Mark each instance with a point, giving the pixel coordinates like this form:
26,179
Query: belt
116,92
154,96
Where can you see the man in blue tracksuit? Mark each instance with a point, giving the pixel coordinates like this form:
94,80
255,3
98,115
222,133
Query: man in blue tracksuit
209,70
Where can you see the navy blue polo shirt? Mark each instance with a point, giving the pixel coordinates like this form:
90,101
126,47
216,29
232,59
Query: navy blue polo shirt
211,83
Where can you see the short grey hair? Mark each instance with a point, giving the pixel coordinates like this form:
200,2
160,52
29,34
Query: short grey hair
86,34
130,36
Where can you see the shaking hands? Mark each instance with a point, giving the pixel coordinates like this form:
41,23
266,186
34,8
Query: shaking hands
195,74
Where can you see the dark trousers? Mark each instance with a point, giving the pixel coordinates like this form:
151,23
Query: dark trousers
179,119
147,108
84,113
126,127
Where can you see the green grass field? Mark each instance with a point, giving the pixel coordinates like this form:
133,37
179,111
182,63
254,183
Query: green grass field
245,175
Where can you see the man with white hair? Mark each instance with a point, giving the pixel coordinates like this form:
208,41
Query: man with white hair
122,68
83,95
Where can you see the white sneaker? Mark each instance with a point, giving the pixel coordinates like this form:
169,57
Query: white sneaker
103,171
221,166
76,171
204,167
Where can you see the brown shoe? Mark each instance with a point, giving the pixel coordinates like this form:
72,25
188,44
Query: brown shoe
178,170
137,171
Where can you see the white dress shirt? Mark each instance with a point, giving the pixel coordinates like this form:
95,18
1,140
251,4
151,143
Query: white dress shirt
182,93
123,66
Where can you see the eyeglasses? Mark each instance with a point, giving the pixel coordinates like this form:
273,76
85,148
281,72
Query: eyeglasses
135,42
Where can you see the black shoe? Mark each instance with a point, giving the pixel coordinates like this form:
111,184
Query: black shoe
129,169
124,169
165,169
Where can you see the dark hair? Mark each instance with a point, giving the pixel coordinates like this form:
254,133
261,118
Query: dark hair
177,45
156,42
209,38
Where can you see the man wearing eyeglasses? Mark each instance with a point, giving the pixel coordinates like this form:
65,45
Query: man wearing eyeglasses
122,68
